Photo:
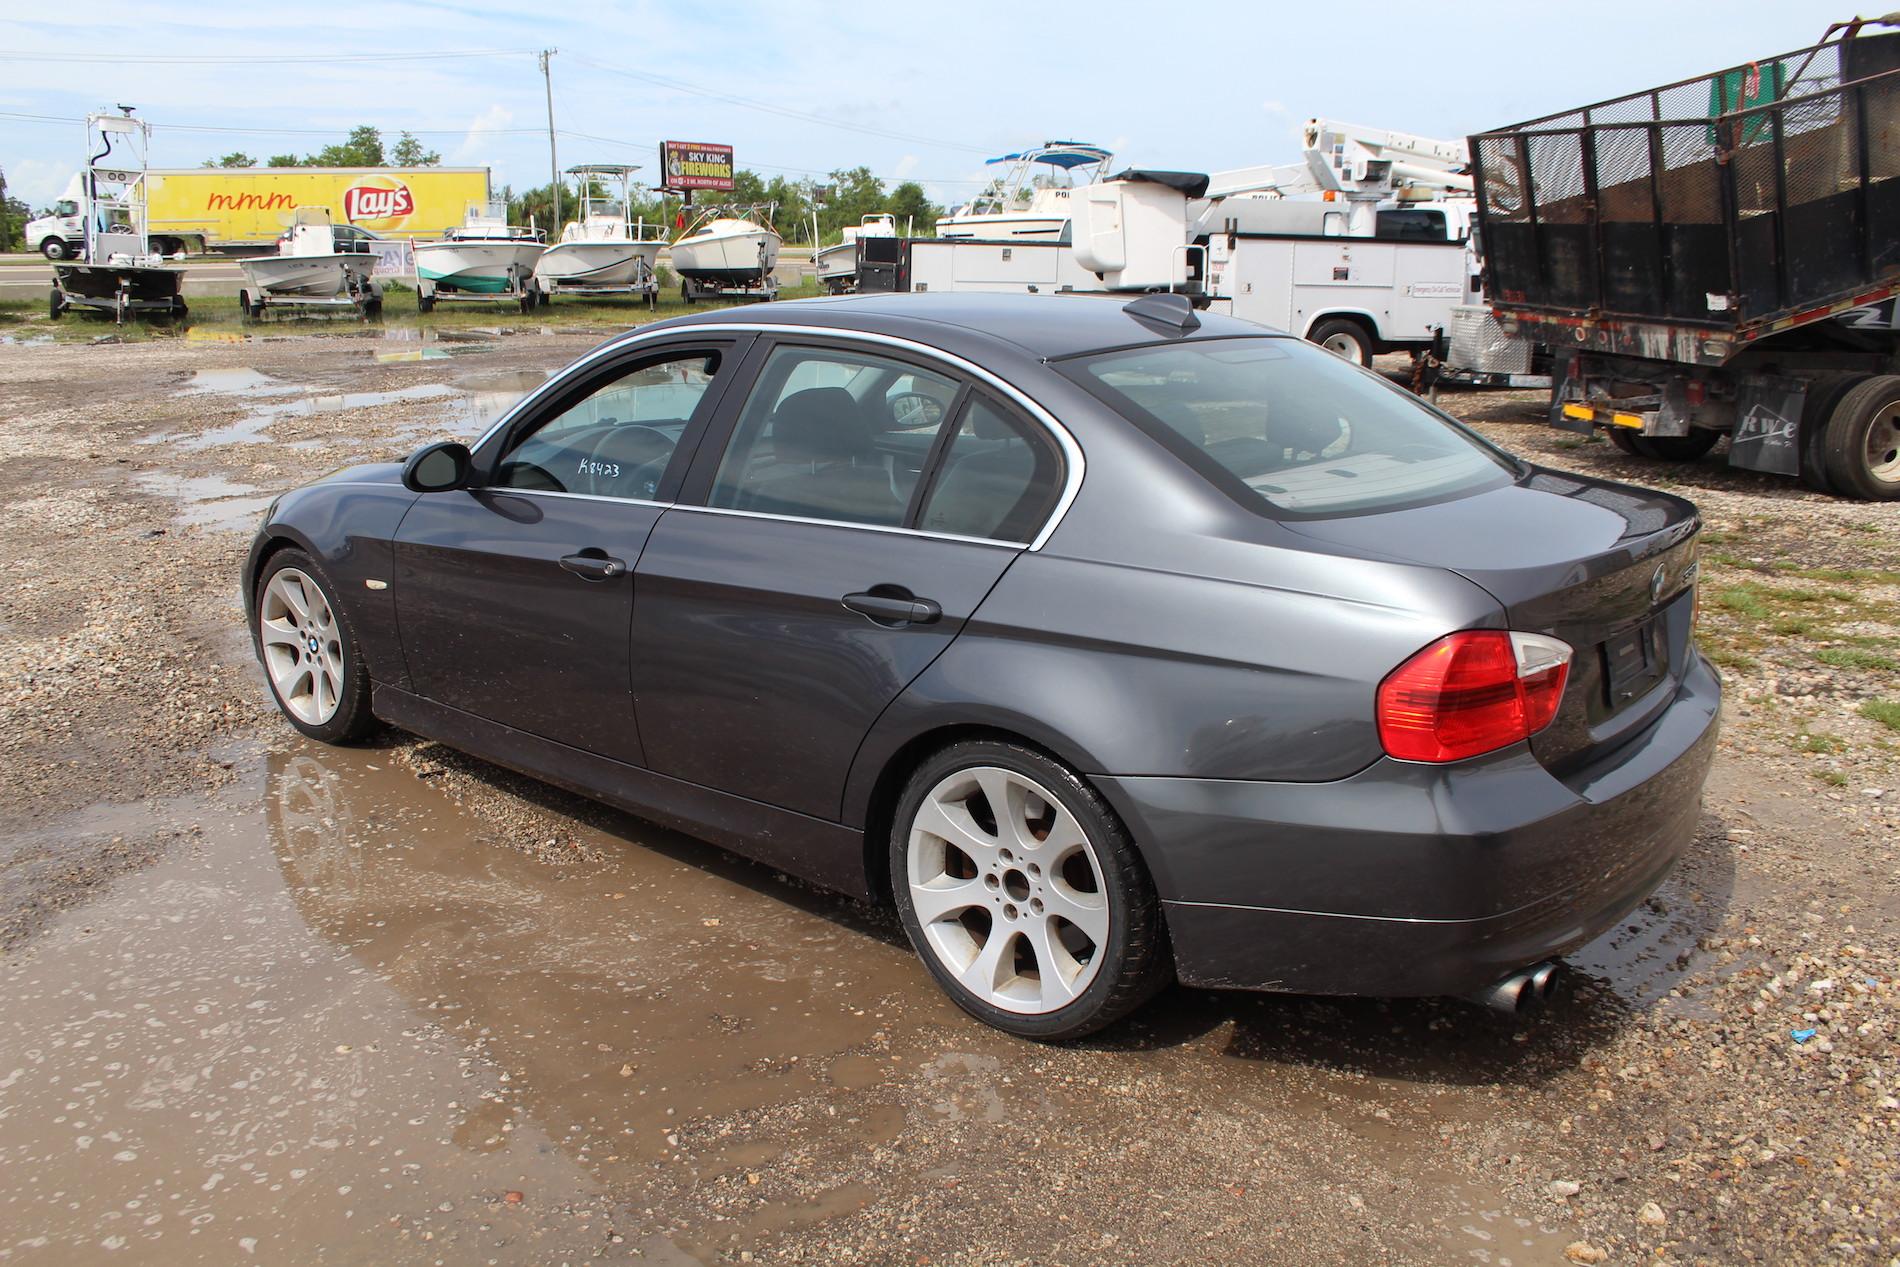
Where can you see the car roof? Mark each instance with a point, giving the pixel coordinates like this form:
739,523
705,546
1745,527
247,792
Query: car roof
1045,326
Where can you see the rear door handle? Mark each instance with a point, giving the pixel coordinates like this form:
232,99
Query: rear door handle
894,606
593,565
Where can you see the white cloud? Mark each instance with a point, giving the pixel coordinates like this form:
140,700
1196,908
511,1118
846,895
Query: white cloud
38,182
477,148
905,166
1274,107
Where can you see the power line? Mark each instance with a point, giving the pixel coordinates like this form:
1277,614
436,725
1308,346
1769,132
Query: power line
648,146
260,59
782,111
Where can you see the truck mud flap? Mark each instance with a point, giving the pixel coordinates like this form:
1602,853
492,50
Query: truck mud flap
1767,435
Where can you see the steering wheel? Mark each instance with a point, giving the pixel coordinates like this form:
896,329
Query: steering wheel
628,447
914,409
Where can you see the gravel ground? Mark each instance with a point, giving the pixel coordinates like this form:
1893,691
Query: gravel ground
1719,1085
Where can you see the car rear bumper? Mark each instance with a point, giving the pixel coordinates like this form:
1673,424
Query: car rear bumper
1410,879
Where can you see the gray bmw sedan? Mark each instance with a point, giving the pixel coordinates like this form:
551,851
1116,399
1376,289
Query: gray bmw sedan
1113,642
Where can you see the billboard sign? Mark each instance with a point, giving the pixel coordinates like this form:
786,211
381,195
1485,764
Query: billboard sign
691,165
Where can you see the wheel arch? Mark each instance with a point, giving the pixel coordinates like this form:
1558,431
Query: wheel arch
878,790
1362,317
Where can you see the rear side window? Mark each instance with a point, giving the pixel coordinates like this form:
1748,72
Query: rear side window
1290,428
999,478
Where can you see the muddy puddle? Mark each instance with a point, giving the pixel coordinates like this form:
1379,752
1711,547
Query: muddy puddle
347,1014
208,501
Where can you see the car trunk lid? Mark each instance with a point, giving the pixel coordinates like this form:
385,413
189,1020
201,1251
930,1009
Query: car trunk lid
1608,568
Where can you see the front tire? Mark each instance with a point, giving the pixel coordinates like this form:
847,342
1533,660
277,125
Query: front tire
309,652
1023,894
56,249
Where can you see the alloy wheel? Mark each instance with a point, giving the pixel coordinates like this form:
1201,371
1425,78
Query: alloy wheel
1008,890
303,647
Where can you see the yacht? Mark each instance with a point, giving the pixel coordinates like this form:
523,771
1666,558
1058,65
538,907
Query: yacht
1031,199
837,264
602,248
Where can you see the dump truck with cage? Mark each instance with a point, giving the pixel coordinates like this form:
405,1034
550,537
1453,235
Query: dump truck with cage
1719,256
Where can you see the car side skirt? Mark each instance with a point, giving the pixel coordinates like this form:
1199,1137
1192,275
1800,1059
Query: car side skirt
824,853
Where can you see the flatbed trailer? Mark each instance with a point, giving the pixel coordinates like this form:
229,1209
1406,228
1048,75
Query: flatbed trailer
1718,256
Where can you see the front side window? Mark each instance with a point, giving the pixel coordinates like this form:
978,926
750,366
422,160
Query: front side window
829,434
1285,426
616,440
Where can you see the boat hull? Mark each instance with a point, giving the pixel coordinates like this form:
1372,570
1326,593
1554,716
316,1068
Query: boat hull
105,283
310,276
1004,228
483,268
596,263
728,258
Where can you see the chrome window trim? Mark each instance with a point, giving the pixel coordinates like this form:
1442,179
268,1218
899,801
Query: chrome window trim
847,523
1074,463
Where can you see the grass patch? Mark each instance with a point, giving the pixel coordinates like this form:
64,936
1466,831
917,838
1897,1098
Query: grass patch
1730,658
1857,658
1860,576
1833,778
1884,711
1815,741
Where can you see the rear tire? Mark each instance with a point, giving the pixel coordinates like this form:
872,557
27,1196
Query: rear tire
1015,874
56,305
1862,444
1344,338
1675,448
1822,397
424,302
1623,440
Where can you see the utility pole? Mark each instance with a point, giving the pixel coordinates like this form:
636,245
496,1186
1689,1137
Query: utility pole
554,163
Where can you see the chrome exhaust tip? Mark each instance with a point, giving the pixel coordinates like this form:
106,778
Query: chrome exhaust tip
1512,992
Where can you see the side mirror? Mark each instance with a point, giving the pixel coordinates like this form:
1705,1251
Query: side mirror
437,468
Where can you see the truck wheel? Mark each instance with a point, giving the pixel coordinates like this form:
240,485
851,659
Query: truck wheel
1675,448
1823,396
56,249
1344,338
1863,440
1623,439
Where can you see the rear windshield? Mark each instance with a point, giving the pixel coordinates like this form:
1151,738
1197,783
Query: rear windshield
1289,427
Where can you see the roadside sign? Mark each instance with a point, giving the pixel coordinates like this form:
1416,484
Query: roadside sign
688,165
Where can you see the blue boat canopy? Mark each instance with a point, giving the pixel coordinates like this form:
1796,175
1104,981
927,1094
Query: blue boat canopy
1064,154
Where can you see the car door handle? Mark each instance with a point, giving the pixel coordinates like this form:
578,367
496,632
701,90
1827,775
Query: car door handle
593,566
894,606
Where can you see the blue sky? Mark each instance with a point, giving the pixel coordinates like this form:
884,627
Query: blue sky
826,85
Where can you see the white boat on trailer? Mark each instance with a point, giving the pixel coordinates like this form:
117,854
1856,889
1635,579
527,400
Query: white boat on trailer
483,258
1028,202
603,251
312,268
729,251
837,264
120,273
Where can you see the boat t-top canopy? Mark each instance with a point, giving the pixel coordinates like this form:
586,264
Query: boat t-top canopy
1064,154
604,169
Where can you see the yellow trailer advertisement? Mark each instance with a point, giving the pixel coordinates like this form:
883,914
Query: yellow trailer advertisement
254,204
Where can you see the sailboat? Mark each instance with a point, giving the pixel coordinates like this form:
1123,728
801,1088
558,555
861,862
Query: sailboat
602,250
119,274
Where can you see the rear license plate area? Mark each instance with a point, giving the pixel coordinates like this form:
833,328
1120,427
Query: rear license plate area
1632,663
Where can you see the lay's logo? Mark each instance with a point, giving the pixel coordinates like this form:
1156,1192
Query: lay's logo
381,202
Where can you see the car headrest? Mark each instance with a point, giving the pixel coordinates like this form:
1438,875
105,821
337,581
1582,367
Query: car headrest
987,424
818,424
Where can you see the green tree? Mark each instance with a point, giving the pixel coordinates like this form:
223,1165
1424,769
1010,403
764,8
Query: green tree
534,206
362,148
408,152
914,211
236,158
283,160
13,217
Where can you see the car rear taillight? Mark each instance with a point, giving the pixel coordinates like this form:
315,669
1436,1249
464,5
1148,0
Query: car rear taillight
1471,693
